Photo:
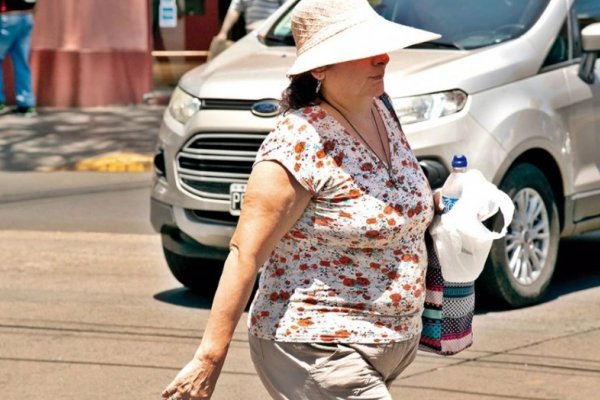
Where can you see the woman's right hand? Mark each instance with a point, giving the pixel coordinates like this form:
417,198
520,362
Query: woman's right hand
195,381
269,212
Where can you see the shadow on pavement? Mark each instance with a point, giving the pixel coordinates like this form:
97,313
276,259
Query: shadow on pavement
185,298
577,267
59,138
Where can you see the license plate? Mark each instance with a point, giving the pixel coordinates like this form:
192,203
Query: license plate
236,197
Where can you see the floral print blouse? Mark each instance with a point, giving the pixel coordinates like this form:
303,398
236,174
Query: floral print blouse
352,268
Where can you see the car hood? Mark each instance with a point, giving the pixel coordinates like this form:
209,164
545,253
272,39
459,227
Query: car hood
413,71
249,70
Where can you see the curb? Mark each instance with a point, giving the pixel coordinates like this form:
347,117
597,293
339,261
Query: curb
113,162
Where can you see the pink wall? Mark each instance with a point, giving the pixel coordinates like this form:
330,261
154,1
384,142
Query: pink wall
90,53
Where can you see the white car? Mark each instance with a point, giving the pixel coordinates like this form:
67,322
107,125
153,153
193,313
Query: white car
514,85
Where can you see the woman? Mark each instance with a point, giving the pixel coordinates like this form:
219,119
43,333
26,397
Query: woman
335,212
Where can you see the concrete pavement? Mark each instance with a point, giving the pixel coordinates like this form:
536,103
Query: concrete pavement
111,139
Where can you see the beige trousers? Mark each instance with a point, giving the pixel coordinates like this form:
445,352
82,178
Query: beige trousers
330,371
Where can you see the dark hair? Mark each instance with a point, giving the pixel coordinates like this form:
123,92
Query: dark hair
301,92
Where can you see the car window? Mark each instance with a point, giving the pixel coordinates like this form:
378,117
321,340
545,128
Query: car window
463,24
283,28
584,12
588,12
588,9
559,52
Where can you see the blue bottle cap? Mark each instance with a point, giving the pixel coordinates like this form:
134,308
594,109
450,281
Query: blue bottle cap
459,161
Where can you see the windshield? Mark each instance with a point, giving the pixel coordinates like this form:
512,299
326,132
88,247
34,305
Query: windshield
588,8
463,24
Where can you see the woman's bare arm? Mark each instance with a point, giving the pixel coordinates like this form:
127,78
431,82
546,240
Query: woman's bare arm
273,202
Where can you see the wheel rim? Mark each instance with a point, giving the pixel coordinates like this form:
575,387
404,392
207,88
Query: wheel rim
528,237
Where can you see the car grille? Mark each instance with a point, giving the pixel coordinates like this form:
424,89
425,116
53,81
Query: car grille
227,104
210,162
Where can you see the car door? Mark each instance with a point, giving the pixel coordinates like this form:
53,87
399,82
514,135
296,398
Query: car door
583,120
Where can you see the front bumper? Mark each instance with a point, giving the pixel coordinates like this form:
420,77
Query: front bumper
164,220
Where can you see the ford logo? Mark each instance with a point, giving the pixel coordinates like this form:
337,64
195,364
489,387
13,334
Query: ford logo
266,108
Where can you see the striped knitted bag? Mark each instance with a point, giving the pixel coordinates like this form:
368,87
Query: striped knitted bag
449,307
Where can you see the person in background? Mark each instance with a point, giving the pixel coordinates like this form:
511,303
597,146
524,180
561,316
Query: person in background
338,229
254,11
16,25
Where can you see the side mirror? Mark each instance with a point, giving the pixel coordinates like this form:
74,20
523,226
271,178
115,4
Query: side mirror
590,37
590,40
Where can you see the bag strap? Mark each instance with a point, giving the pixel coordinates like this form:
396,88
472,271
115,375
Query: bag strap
387,101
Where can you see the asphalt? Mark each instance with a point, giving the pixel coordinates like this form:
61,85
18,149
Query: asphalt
105,139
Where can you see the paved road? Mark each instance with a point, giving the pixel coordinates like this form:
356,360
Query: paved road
88,308
76,201
98,316
94,313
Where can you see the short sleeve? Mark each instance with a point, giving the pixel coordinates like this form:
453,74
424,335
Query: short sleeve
298,147
237,5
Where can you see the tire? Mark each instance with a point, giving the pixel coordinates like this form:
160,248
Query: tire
520,266
197,274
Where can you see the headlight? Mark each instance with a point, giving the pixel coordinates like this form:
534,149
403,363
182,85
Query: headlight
182,105
429,106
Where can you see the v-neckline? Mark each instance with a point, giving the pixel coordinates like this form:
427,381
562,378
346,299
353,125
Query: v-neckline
382,163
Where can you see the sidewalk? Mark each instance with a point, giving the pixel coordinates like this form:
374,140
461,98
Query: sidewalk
111,139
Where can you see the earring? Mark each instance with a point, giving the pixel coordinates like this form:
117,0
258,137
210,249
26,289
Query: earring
318,88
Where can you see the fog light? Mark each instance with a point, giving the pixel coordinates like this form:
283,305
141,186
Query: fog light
159,164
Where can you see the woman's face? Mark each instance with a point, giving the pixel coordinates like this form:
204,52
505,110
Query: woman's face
355,79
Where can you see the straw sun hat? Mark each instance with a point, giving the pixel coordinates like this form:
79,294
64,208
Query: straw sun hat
333,31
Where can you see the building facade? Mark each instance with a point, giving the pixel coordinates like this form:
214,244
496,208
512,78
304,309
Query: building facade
107,52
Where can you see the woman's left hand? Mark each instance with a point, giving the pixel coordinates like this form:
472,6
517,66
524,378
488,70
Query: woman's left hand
438,206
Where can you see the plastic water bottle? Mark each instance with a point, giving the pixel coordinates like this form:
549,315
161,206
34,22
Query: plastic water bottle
452,188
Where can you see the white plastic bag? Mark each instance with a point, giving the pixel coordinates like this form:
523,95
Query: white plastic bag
461,240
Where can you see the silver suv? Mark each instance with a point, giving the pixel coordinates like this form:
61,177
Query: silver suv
512,84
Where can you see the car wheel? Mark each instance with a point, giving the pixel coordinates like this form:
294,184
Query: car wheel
521,264
198,274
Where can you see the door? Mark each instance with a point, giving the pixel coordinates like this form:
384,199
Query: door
584,122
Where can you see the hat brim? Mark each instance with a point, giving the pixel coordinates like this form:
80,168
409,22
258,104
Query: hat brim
370,38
